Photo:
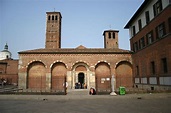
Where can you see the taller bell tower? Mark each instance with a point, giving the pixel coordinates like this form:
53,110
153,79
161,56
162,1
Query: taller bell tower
53,30
110,39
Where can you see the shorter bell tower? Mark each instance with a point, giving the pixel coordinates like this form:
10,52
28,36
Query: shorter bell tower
110,39
53,30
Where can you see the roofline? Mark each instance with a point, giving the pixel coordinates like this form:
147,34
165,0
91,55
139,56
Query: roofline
130,52
137,13
54,13
78,51
110,31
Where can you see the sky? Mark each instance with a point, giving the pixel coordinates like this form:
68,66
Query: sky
23,22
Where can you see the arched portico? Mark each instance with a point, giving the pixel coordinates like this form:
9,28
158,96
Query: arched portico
36,77
103,77
58,75
124,74
81,76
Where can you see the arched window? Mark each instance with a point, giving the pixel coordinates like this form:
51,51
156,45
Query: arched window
56,17
52,17
49,17
113,35
7,56
109,34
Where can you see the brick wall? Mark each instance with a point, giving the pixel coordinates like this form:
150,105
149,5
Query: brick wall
9,70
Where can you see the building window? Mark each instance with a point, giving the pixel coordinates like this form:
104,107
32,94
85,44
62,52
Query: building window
49,17
52,17
147,16
149,37
133,31
169,21
137,71
139,24
113,35
153,67
56,17
157,7
136,46
164,64
7,57
133,47
110,35
141,43
160,31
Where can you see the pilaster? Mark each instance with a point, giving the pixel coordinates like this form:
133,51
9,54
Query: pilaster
22,80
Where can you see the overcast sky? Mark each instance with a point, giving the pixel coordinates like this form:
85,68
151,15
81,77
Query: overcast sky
23,22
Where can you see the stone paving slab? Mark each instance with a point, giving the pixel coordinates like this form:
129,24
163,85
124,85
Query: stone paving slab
66,97
129,103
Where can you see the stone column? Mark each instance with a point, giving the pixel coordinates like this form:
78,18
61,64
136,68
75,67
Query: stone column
92,80
113,87
22,80
48,81
69,79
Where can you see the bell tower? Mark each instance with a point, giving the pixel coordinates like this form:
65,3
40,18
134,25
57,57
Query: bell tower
110,39
53,30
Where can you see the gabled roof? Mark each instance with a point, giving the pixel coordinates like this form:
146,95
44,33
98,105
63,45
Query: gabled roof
146,2
76,51
81,47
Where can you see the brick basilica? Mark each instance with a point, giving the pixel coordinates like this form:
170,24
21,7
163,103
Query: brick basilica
47,69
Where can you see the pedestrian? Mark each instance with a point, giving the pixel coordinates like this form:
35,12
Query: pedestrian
2,81
79,85
85,86
92,91
65,85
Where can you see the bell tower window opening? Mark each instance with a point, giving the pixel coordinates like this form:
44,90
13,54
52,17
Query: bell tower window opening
110,35
53,17
56,17
113,35
49,17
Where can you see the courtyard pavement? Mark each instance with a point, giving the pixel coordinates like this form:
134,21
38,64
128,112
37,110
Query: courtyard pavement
129,103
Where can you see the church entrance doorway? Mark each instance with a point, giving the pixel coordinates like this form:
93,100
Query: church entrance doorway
81,80
81,84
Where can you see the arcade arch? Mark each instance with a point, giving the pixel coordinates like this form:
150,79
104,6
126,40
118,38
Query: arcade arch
58,72
36,77
80,76
124,74
103,75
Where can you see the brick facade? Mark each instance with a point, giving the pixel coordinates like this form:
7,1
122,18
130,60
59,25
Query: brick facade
151,46
9,70
47,69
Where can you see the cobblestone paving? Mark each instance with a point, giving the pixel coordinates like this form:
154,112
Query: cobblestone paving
130,103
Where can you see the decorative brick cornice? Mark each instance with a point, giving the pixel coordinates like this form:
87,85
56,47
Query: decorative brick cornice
77,51
101,61
80,62
32,61
123,60
59,61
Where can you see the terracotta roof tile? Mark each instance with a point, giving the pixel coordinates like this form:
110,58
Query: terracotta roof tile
76,51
